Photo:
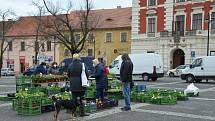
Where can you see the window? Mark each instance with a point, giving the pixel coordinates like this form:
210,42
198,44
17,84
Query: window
108,37
22,46
49,46
90,52
66,52
42,47
177,1
77,37
213,20
36,46
197,21
179,24
10,46
151,27
197,62
212,53
90,38
151,2
123,36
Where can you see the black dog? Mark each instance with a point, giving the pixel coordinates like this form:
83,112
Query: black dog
66,104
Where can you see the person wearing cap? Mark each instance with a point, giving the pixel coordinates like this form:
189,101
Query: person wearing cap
74,74
53,69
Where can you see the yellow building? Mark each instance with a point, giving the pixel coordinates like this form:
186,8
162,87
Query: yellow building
112,35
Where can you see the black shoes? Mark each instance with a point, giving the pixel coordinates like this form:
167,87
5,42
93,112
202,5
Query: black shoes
125,109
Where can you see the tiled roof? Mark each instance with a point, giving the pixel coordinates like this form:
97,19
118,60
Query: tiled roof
8,24
108,18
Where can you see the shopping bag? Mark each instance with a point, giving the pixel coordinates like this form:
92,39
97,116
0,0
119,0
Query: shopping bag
191,88
85,81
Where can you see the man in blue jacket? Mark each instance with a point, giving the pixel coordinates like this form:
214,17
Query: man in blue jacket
126,71
41,69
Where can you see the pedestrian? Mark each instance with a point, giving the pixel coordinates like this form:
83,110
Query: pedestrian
41,69
53,69
107,72
74,74
100,76
126,71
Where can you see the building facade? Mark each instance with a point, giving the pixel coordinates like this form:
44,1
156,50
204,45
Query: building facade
175,29
20,54
110,38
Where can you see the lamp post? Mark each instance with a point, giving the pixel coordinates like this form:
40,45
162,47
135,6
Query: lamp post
208,34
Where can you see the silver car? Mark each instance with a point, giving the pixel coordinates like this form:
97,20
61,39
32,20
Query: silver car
7,72
177,71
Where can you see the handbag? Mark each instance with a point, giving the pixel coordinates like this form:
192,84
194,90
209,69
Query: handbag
84,80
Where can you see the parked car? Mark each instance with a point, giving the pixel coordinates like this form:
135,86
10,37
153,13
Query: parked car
63,66
7,72
177,71
30,70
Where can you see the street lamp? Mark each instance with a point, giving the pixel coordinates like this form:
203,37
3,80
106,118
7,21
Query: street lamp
208,20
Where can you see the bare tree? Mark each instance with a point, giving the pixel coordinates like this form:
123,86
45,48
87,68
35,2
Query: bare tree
64,27
5,25
39,37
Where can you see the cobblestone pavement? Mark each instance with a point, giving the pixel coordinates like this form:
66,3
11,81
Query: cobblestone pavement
195,109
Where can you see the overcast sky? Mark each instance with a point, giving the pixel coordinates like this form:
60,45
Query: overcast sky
25,7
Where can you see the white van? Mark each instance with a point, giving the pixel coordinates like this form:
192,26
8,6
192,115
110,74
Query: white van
146,66
201,68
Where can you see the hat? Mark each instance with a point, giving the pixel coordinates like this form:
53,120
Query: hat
76,56
96,61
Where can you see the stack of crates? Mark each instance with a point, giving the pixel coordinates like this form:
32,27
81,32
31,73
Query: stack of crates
22,82
28,106
90,93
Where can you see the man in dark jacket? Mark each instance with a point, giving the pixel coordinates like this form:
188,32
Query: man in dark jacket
126,71
41,69
74,74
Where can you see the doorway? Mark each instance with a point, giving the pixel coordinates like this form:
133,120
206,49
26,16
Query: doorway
178,58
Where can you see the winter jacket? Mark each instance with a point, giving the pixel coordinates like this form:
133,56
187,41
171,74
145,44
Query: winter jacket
126,71
74,74
100,76
40,69
53,70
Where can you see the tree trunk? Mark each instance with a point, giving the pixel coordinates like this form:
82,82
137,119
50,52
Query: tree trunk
1,62
35,59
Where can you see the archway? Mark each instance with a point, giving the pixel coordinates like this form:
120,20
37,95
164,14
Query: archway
178,58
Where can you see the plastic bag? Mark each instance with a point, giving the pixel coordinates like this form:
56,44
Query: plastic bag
191,88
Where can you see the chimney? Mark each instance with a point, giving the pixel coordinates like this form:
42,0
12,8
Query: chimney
119,7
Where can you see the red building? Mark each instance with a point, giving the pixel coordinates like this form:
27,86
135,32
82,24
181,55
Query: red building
176,29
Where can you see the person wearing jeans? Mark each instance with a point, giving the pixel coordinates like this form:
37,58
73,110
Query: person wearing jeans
126,71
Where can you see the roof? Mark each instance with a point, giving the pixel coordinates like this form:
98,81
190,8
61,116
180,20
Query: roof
114,18
108,18
8,24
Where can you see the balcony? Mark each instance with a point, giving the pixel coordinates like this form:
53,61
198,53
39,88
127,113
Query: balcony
151,34
164,34
191,33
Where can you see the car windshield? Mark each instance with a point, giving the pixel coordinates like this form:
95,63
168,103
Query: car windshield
182,67
115,63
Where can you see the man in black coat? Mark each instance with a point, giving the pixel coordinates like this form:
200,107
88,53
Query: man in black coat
74,74
126,71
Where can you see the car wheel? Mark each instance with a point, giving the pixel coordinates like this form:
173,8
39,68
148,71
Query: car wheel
190,78
198,80
171,74
145,77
